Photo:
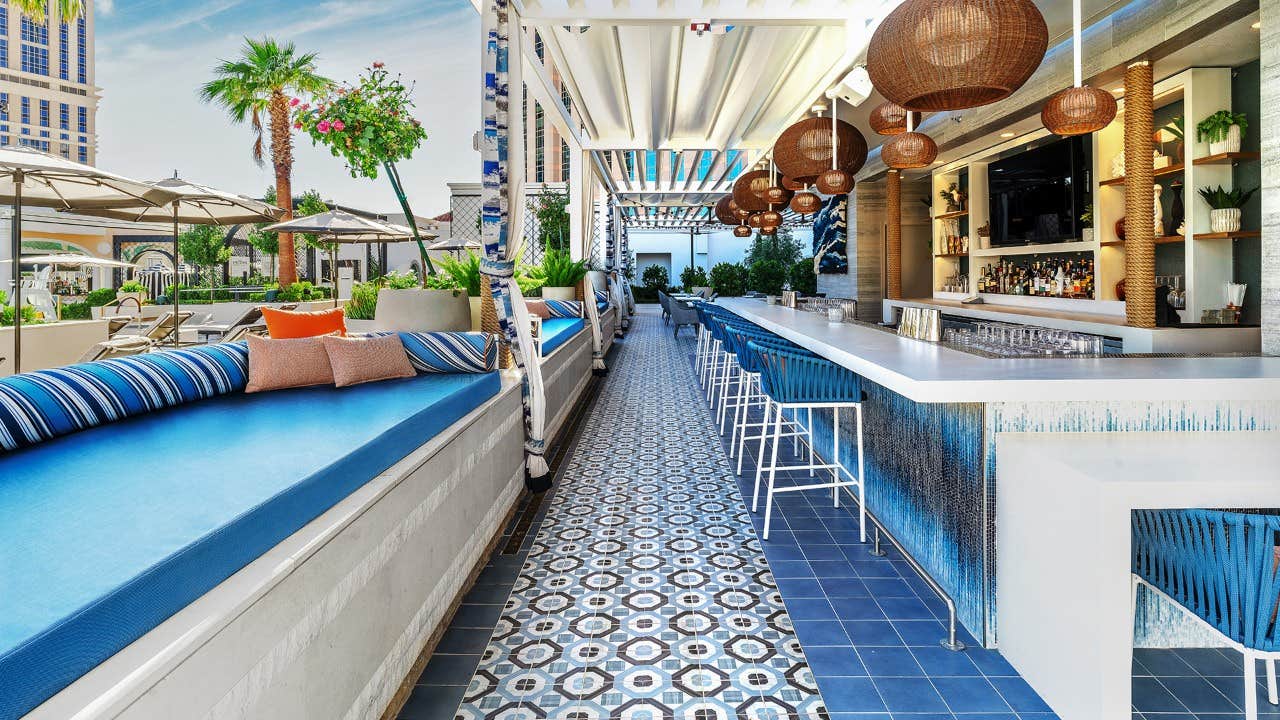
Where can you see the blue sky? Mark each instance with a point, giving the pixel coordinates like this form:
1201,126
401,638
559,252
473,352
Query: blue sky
152,56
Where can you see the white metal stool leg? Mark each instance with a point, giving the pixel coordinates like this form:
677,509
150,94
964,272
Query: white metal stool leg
773,471
1271,683
764,430
835,457
1250,686
862,480
809,430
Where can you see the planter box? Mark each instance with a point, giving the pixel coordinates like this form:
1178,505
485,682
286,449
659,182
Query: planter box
51,345
559,293
422,310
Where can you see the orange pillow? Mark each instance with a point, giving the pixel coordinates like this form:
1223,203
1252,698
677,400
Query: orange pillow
279,364
285,324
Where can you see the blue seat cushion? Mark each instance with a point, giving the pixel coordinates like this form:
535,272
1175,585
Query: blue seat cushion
602,306
106,533
557,331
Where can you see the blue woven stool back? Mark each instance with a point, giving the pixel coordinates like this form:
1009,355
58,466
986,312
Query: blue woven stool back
1219,565
793,377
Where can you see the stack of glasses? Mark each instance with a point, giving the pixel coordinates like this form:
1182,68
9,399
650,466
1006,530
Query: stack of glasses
1024,341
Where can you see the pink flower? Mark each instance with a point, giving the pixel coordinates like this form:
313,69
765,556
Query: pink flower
379,65
306,106
323,126
297,126
294,102
339,125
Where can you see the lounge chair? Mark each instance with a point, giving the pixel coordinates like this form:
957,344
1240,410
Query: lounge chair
240,332
219,332
117,323
162,328
664,301
117,347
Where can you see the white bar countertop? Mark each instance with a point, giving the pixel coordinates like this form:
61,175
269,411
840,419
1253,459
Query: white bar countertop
927,372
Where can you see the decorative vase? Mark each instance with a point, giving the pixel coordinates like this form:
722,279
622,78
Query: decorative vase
1120,229
1086,234
559,293
1177,213
1225,220
1120,290
1230,144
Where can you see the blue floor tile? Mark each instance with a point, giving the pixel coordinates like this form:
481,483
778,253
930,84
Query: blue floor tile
799,587
920,633
858,609
1162,663
1151,696
1020,696
449,670
834,661
791,568
940,662
1198,695
1212,662
850,695
970,695
476,616
872,633
432,702
820,632
889,662
844,587
463,641
896,608
909,695
810,609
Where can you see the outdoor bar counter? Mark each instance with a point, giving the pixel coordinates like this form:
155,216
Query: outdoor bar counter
938,423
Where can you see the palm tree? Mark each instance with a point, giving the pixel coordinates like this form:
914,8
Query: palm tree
68,10
263,80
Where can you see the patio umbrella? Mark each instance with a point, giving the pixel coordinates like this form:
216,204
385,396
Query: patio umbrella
190,203
340,226
68,260
456,245
31,177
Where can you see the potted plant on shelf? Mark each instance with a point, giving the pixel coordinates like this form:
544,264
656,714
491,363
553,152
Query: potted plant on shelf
1086,224
954,197
1223,131
559,275
1225,205
1176,129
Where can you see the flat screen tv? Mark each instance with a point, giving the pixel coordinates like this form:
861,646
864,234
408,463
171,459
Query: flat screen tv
1038,195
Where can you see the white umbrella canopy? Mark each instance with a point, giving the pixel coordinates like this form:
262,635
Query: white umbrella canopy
31,177
71,261
192,204
456,243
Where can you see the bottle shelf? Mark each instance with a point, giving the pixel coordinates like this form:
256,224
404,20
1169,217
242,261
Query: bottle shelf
1158,172
1045,249
951,255
950,215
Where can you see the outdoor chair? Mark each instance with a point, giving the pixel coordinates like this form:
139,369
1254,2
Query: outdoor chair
1220,568
116,347
117,323
162,328
681,315
219,332
793,381
240,332
664,301
750,396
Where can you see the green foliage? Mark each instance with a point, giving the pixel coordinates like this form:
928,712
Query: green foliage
1220,199
76,311
132,286
1214,128
551,210
558,270
202,246
363,302
692,277
781,248
100,297
729,279
464,273
767,276
365,124
6,312
67,10
656,277
311,204
302,292
1177,128
802,277
405,280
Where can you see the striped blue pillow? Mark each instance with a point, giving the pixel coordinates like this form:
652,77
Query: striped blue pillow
564,308
41,405
602,297
451,352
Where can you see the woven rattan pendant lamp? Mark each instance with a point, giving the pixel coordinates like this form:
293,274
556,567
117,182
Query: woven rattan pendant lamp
834,181
806,203
933,55
890,118
1080,109
909,151
749,191
804,150
742,231
724,213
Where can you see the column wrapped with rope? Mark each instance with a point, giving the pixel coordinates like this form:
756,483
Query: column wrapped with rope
499,261
613,285
1139,224
893,251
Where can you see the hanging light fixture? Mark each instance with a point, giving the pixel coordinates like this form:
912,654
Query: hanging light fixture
909,151
793,185
749,190
804,150
741,231
934,55
806,203
754,220
723,211
738,212
834,181
890,118
770,218
1080,109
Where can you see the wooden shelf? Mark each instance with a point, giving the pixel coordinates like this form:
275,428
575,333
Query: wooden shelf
950,215
1159,172
1226,158
951,255
1162,240
1046,249
1229,235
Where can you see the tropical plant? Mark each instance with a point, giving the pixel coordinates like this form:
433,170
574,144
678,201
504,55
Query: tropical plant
260,82
729,279
767,276
368,124
264,240
1220,199
558,270
550,208
692,277
132,286
656,277
67,10
802,277
29,316
100,297
401,280
1214,128
204,246
1176,128
1086,218
465,273
364,301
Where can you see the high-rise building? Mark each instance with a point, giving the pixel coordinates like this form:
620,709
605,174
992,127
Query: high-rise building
48,99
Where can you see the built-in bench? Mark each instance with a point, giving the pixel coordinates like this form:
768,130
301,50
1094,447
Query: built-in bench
558,331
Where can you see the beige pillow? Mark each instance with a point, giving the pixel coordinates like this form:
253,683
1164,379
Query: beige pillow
358,360
279,364
538,308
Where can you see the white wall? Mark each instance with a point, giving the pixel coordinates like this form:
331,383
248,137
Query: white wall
710,249
644,260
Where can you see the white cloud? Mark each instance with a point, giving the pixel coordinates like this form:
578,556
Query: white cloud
104,7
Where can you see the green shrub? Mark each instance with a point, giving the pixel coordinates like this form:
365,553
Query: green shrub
692,277
644,294
767,276
558,270
656,277
464,274
100,297
802,277
76,311
729,279
363,302
132,286
406,280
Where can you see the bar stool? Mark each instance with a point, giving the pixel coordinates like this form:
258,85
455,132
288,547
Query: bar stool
751,396
794,381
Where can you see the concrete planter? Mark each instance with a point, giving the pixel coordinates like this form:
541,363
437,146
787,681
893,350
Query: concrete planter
559,293
422,310
50,345
1225,220
1229,145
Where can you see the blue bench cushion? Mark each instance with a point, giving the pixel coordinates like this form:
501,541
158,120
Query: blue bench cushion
557,331
106,533
602,306
41,405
